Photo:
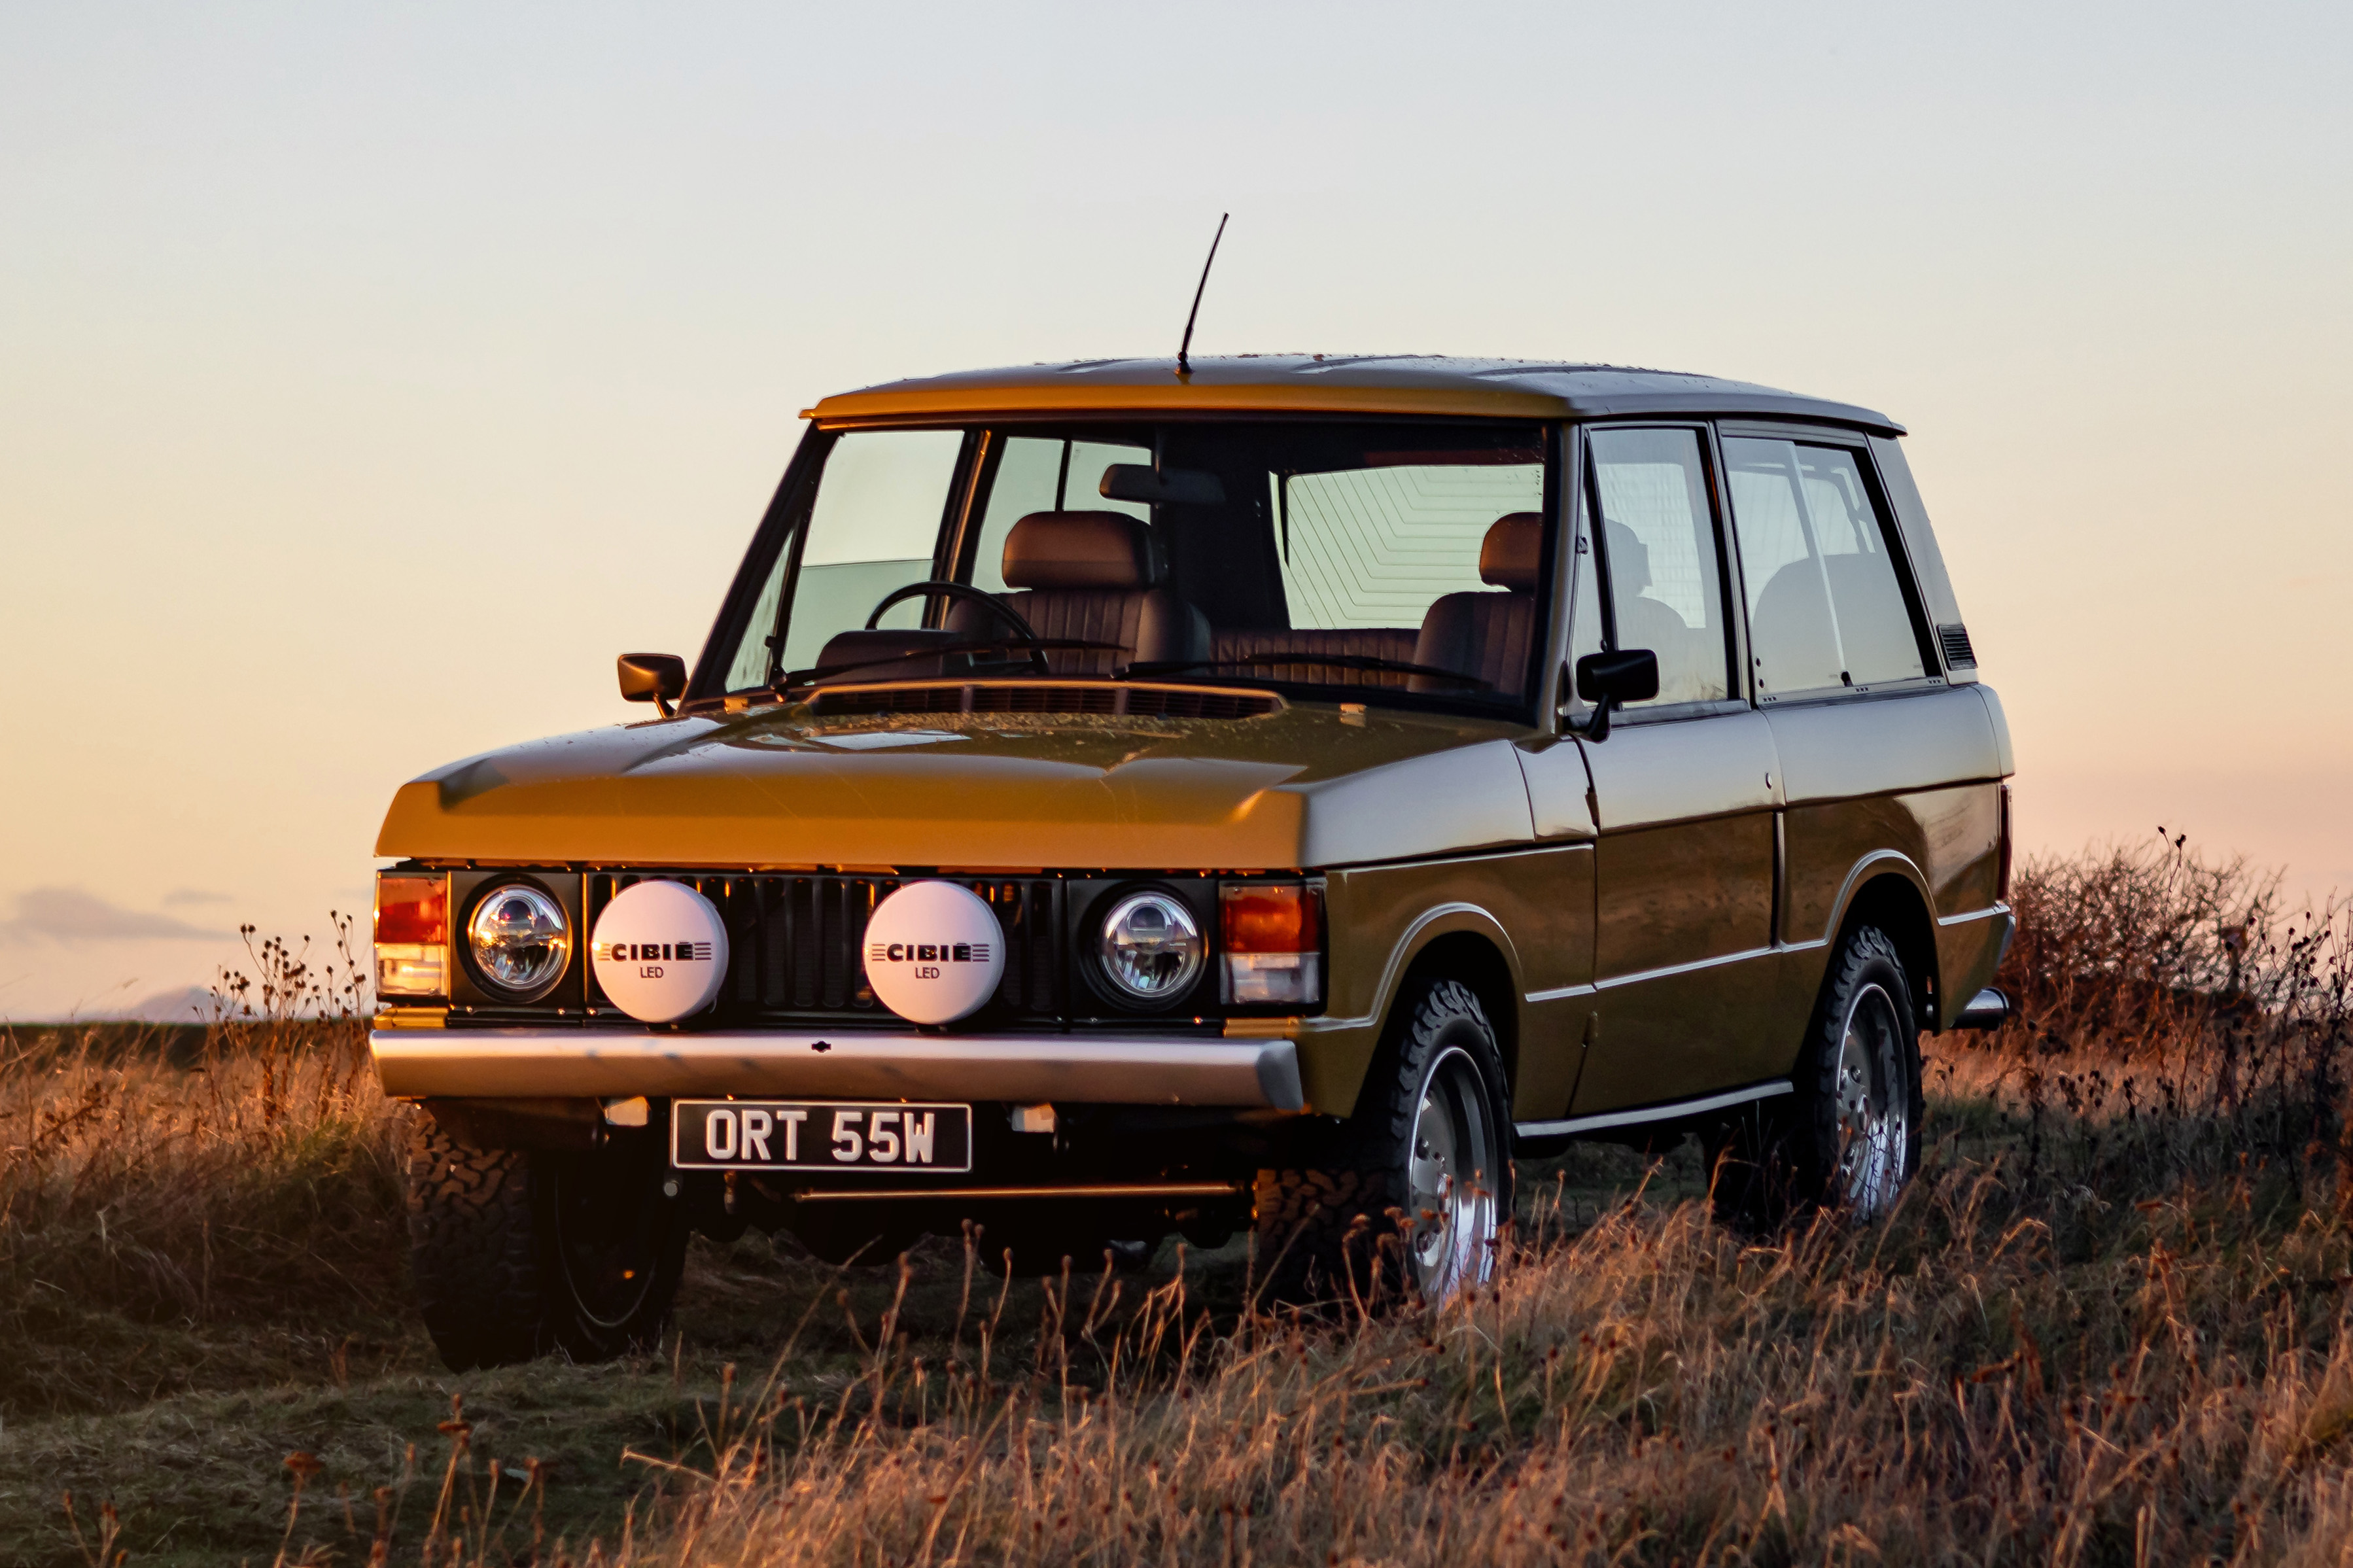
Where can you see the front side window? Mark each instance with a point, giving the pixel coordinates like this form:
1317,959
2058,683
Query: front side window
1661,559
1392,562
1826,608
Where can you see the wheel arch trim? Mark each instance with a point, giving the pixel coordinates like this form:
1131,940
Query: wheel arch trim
1427,930
1917,941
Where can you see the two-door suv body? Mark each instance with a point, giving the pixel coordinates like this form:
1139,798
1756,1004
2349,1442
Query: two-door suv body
1115,801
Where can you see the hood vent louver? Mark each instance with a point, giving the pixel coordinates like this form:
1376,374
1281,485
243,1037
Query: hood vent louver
1046,697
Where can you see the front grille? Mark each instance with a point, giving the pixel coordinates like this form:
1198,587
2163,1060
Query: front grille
1959,655
1140,702
794,941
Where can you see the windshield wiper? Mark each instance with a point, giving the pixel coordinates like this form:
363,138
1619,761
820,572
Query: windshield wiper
1305,655
940,650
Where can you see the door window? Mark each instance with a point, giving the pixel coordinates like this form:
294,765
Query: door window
1661,558
1826,609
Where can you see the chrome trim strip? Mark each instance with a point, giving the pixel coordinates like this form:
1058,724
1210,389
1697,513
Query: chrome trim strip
1694,967
1102,1070
1098,1190
1985,914
1647,1113
1560,993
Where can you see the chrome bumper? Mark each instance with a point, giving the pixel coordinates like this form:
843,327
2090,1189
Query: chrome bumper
1022,1068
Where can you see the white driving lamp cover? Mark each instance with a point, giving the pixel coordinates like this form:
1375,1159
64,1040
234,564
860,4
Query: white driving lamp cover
934,951
659,952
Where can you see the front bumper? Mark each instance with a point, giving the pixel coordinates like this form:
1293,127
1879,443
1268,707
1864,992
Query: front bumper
1021,1068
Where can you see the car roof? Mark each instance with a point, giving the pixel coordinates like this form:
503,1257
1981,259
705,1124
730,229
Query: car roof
1336,383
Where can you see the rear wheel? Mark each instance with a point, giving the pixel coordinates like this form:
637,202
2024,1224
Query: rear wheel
1406,1201
1848,1137
518,1254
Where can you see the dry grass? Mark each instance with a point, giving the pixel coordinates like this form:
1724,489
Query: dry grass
2109,1325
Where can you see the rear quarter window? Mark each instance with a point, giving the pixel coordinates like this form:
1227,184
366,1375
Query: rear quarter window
1827,609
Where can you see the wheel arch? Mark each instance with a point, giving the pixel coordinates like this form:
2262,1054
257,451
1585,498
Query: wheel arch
1462,942
1887,891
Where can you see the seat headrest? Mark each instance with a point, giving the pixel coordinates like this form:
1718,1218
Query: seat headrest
1081,550
1512,551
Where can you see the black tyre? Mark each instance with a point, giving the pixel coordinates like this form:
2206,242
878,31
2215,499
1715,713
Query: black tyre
1405,1202
1847,1136
520,1255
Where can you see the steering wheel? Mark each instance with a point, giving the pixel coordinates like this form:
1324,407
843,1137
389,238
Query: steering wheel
1013,619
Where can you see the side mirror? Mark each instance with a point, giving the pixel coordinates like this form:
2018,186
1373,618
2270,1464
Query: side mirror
1606,679
1169,486
656,678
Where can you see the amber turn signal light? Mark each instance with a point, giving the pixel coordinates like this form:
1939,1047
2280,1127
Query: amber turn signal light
1270,918
1272,937
412,909
412,934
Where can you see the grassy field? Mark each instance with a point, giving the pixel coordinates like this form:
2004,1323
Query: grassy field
2108,1326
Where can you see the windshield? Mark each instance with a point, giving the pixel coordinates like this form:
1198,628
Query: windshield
1389,562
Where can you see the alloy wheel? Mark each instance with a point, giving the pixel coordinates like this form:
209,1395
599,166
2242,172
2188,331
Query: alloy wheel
1452,1173
1874,1103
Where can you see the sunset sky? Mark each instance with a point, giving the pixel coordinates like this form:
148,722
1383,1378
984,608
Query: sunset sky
370,376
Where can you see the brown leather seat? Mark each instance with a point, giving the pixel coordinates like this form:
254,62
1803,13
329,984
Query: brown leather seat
1095,576
1488,635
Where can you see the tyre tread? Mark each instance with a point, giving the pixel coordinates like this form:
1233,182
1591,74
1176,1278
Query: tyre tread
474,1249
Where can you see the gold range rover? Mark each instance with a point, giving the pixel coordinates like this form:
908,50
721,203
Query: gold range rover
1114,802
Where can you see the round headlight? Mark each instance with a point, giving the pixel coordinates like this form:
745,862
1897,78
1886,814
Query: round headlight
519,939
1151,947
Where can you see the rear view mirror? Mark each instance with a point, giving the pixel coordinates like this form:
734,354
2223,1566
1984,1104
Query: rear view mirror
656,678
1606,679
1169,486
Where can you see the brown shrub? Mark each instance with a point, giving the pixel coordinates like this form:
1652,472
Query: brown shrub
255,1179
2179,1020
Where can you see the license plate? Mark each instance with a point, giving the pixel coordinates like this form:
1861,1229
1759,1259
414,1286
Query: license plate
818,1135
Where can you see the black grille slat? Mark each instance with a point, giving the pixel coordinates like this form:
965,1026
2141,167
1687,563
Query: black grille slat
796,940
1957,651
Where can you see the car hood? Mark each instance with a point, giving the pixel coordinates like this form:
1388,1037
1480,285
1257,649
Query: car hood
1301,787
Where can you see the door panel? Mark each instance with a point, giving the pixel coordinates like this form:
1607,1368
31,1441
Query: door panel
1915,775
1684,910
1843,748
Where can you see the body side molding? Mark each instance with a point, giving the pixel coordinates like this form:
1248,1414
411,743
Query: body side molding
1640,1115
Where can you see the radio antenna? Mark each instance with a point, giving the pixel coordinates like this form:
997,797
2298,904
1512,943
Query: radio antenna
1185,348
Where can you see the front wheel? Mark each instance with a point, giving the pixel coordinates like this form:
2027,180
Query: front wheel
1847,1136
521,1254
1409,1199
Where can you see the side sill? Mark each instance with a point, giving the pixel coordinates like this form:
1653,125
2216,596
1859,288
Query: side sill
1672,1110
